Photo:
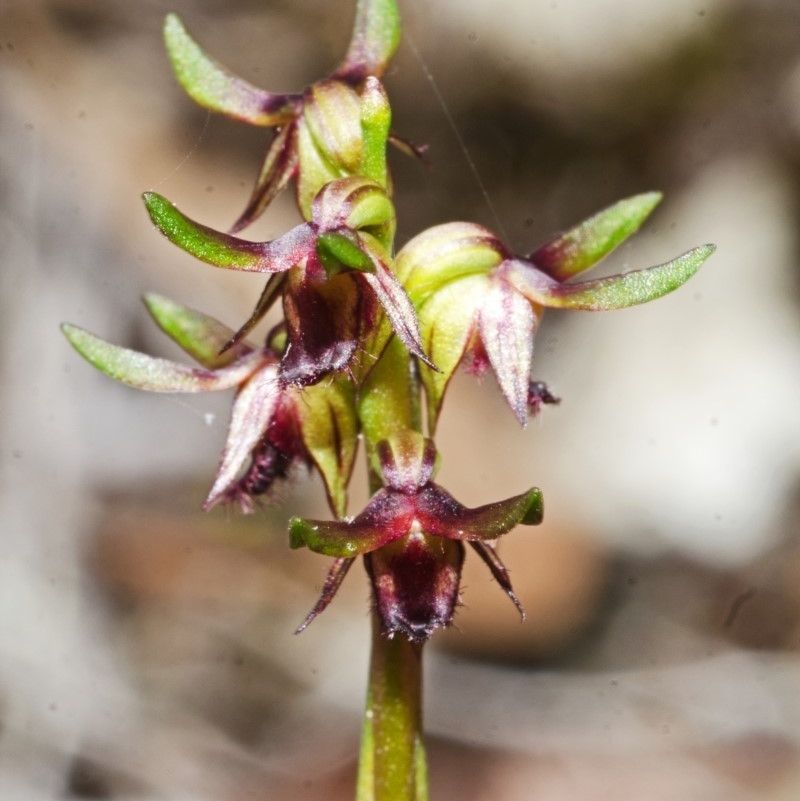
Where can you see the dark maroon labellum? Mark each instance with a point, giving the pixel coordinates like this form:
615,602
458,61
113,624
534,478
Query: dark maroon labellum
322,320
268,464
415,584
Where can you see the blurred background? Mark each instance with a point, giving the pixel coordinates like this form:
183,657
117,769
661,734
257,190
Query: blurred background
146,649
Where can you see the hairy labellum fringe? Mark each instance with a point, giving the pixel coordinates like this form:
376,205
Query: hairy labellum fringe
267,465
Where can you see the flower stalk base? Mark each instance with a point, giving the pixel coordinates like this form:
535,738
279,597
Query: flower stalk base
392,764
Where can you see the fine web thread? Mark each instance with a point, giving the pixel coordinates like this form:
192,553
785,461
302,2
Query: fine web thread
460,139
209,418
189,153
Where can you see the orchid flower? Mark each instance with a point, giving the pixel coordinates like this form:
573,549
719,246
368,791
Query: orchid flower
478,302
412,534
272,425
335,127
336,266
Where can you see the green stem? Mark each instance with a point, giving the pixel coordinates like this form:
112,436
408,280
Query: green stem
392,764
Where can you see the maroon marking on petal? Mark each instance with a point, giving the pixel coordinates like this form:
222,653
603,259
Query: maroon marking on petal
415,583
476,360
399,309
550,258
389,510
507,324
289,250
322,327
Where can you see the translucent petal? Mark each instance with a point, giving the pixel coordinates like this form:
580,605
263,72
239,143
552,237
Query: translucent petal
446,253
447,322
398,308
332,111
507,324
316,172
253,408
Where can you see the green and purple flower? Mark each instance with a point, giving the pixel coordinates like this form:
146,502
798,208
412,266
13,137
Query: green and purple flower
330,272
273,426
479,304
411,535
333,128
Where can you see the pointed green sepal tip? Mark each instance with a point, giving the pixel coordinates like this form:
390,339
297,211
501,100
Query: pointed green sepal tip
334,537
224,250
212,86
200,335
607,294
534,513
151,373
587,243
202,242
